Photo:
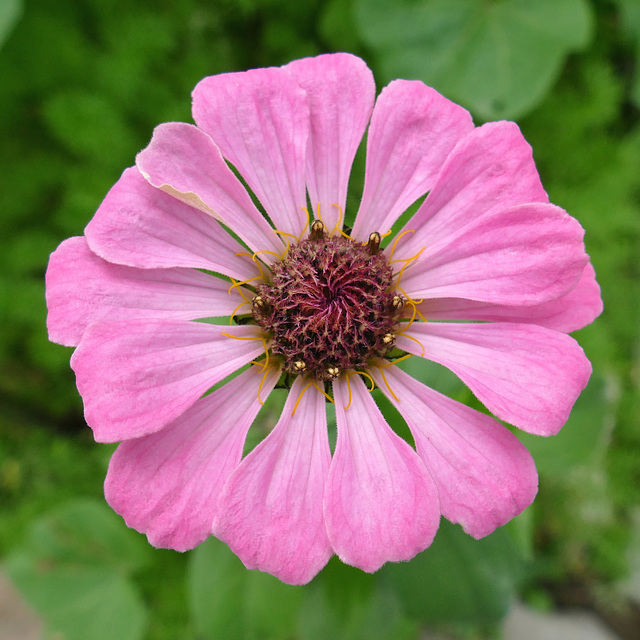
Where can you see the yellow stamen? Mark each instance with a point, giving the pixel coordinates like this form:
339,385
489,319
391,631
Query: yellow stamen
264,364
414,302
239,284
265,372
415,340
286,237
407,262
306,222
364,373
264,377
239,290
349,388
310,384
384,378
244,338
233,313
395,242
337,225
273,253
394,362
413,316
357,373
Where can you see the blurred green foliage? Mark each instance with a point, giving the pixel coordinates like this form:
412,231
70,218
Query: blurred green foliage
83,85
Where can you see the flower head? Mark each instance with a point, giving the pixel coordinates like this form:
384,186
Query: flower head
486,278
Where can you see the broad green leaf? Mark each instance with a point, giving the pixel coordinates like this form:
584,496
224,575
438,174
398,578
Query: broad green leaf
583,439
80,603
497,57
344,603
630,17
86,533
91,126
10,12
458,579
73,570
228,601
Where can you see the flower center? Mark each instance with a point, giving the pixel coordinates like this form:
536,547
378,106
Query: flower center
330,305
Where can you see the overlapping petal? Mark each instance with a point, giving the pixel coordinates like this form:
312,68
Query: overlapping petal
523,255
83,288
525,374
381,504
140,226
490,168
260,121
484,474
413,130
340,91
184,161
578,308
167,484
136,377
270,511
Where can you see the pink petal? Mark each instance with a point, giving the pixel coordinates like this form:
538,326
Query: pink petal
340,90
184,161
580,307
381,504
525,374
136,377
491,168
413,129
260,121
167,484
83,288
270,510
484,474
140,226
523,255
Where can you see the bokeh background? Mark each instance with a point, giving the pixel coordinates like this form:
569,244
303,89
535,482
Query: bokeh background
83,83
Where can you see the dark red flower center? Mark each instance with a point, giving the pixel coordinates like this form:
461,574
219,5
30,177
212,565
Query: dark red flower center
330,305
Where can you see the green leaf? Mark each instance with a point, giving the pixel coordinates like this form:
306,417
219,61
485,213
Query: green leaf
343,603
227,601
80,603
73,570
630,18
91,126
584,438
458,579
10,12
497,57
86,533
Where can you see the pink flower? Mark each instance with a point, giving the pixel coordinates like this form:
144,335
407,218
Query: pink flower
328,310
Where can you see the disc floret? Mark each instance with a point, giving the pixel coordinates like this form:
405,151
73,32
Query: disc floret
330,306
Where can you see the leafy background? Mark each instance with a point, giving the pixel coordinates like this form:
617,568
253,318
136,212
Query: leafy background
83,83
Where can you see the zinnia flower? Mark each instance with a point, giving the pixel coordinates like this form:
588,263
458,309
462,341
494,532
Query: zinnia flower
486,278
